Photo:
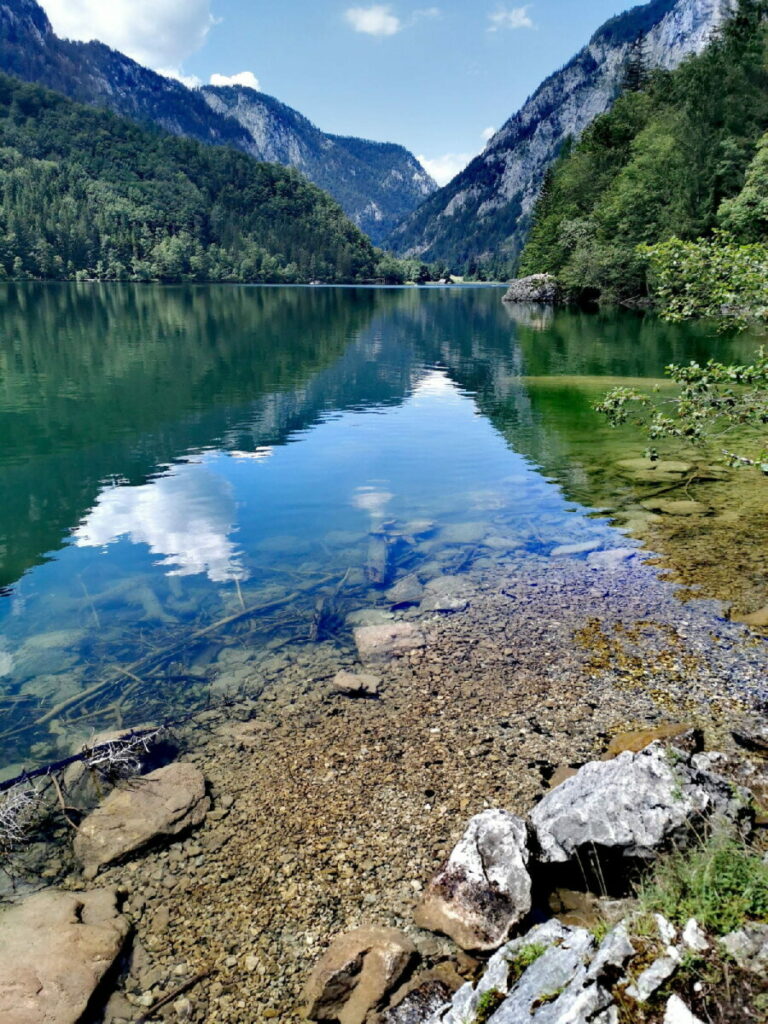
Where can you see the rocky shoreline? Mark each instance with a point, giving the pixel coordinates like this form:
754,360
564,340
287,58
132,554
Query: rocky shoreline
335,802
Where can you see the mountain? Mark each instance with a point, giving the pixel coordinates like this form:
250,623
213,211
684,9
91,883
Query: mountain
377,184
86,194
484,214
677,157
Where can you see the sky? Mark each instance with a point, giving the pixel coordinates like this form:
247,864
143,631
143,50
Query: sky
439,79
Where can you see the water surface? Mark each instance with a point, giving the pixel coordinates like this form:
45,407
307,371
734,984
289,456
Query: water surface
174,457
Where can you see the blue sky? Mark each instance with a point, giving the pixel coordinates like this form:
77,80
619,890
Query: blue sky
435,77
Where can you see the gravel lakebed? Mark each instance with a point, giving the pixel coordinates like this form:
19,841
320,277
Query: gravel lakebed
331,812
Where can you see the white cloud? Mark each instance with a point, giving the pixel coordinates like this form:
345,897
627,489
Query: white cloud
511,18
246,78
377,20
158,33
185,517
191,81
488,133
444,168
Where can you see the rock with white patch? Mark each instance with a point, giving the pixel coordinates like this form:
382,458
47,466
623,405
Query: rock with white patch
484,888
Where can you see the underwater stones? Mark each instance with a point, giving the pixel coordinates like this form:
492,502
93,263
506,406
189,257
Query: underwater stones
758,619
159,805
752,733
484,888
445,594
541,288
356,684
686,737
408,590
381,643
676,508
356,973
612,559
57,947
463,533
633,806
567,550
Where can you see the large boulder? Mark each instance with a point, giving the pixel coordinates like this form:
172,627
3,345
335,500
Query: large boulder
356,973
484,888
56,948
633,806
156,806
536,288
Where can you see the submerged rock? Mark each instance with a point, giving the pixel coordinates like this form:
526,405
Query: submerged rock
386,641
685,737
356,684
633,806
56,948
542,288
676,508
752,733
445,594
612,559
356,973
159,805
758,619
484,889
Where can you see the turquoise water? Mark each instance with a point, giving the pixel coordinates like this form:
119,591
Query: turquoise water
175,457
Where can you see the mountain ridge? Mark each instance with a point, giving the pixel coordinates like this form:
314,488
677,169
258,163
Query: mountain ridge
95,74
483,214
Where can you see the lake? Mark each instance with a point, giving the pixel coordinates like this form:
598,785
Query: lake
198,480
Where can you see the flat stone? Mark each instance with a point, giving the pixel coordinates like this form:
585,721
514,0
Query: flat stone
463,533
356,973
633,806
611,559
408,590
356,684
56,948
676,508
639,739
387,640
567,550
159,805
758,619
484,888
445,594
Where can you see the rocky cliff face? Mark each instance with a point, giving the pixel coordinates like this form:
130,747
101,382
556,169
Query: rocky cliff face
377,184
485,211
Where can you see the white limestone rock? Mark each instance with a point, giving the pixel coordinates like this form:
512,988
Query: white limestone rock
484,888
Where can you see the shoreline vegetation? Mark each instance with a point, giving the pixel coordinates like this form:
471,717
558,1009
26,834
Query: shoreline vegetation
663,198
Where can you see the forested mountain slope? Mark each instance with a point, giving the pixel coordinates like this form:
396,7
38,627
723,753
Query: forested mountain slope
376,183
87,194
682,155
483,215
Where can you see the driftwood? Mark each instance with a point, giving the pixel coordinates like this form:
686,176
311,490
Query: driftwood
145,1017
163,655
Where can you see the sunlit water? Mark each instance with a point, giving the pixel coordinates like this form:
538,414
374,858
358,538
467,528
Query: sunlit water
172,457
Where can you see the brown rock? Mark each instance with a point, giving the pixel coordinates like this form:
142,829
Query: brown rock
686,736
416,1000
388,640
356,684
561,774
758,619
56,948
356,973
162,804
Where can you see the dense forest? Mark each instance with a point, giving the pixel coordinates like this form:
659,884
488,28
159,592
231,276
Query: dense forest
85,194
667,190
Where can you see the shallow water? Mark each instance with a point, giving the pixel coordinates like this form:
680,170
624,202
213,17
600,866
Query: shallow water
196,480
